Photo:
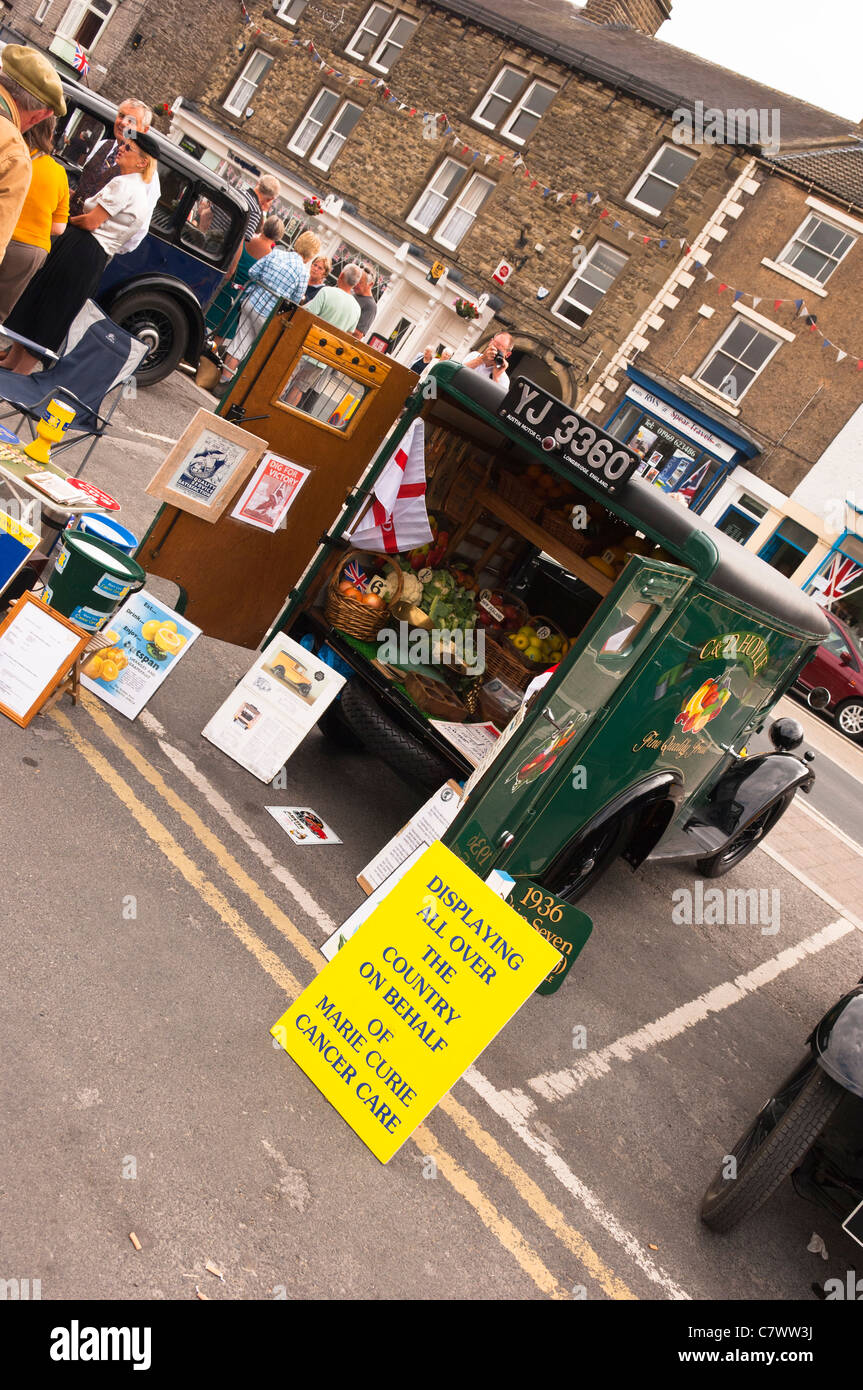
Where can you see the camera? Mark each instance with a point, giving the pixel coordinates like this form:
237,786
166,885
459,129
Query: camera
499,359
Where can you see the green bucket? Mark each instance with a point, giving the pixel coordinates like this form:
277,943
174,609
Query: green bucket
90,579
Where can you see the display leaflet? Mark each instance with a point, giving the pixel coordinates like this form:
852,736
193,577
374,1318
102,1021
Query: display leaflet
151,639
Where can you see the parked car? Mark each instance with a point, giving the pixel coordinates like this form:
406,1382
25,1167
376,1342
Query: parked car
811,1129
161,291
838,666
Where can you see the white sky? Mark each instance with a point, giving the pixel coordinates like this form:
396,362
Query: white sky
811,51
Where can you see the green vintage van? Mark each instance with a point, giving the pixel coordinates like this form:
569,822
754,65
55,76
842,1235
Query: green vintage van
680,646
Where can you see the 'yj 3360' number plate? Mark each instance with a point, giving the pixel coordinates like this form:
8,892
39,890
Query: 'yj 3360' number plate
560,431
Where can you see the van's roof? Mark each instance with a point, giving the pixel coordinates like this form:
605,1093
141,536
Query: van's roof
715,557
91,101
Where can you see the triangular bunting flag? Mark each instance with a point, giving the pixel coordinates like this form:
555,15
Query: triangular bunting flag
738,294
708,275
756,300
840,355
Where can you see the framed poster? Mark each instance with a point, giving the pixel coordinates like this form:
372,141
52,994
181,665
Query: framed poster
38,647
207,466
270,493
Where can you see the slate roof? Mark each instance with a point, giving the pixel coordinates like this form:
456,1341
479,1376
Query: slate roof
659,73
837,171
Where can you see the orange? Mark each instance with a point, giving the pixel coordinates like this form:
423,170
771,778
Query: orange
110,670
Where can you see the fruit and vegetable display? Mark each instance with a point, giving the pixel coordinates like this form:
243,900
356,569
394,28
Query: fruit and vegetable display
538,644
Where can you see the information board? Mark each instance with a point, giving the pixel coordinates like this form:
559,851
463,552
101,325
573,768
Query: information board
412,999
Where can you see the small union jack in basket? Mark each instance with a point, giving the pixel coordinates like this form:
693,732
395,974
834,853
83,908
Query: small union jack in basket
355,575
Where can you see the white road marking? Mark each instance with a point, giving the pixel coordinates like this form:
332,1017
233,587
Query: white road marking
162,438
501,1102
300,894
555,1085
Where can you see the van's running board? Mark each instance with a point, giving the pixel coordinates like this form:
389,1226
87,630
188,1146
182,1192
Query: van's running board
691,842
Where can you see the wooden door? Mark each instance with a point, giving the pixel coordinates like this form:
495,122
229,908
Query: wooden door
320,398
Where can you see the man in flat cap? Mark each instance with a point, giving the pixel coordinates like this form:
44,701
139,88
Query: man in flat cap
30,92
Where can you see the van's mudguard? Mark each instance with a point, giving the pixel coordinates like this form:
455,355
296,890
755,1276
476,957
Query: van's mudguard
652,802
837,1041
748,787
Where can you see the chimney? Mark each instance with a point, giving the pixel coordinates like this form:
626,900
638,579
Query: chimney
644,15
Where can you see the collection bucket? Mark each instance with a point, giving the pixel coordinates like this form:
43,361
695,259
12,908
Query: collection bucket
90,579
104,528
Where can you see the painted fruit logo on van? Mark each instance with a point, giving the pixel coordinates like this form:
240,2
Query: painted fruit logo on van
540,762
703,706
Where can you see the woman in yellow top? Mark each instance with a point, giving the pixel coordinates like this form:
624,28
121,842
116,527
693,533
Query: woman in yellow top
44,215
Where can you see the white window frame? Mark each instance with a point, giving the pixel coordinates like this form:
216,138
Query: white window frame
579,275
456,206
42,11
283,10
810,279
718,347
294,144
650,172
521,106
364,28
518,104
322,139
75,13
387,40
412,219
229,104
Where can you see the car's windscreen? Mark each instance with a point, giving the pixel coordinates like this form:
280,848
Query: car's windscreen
208,225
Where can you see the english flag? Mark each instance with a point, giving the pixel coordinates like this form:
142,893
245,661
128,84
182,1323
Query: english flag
397,519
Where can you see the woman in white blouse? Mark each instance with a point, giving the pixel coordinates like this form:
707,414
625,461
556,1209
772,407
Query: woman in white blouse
78,258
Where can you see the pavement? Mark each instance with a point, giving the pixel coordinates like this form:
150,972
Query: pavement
157,921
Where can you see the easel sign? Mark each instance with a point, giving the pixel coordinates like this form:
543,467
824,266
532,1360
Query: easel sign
38,647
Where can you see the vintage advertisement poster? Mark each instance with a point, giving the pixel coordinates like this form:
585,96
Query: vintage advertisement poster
267,716
271,492
303,825
148,641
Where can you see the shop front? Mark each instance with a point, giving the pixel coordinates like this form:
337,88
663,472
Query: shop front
683,450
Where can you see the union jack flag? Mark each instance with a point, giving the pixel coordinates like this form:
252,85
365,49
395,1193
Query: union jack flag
841,573
355,575
80,61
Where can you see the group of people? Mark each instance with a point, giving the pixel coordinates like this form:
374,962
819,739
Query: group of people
54,246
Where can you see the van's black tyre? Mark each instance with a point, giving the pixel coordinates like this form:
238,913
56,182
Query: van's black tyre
335,727
746,839
778,1139
381,735
157,320
589,859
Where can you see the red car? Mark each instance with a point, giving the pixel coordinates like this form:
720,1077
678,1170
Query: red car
838,666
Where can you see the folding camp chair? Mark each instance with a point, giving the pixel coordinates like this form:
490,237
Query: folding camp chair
98,357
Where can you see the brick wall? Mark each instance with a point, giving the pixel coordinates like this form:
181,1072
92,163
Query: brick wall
803,397
590,138
646,15
109,46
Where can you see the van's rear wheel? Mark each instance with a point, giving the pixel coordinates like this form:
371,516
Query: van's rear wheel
158,321
590,858
381,735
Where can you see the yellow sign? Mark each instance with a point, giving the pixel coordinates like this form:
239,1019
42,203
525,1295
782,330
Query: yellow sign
436,271
413,997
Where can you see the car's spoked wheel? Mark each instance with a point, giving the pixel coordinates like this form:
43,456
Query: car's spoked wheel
745,842
590,859
778,1139
849,717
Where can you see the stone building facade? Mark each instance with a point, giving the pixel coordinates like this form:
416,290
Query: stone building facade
103,28
585,100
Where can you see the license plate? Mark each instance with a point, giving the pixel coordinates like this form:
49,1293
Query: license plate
564,434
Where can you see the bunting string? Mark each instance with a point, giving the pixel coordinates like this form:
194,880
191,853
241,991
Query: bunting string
587,202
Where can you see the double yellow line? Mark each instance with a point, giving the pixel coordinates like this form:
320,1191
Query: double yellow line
504,1231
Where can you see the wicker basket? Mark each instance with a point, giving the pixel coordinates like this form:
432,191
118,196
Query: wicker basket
519,494
500,661
461,499
557,524
534,667
352,617
434,698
